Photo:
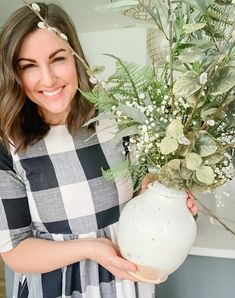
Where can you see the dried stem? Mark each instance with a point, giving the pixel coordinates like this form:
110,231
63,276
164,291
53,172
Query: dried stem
171,54
215,217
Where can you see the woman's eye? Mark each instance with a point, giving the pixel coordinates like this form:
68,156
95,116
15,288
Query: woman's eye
58,59
28,66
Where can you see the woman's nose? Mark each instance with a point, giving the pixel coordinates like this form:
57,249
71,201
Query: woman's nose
48,77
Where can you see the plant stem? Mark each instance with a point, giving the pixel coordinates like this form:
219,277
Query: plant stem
171,53
223,104
215,217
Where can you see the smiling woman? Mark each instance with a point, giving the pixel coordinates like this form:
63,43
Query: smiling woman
58,215
48,74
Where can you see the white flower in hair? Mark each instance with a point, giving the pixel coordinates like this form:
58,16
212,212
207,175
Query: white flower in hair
41,25
35,7
62,35
52,29
93,80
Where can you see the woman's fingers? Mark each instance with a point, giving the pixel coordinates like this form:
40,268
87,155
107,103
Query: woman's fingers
122,264
191,204
147,179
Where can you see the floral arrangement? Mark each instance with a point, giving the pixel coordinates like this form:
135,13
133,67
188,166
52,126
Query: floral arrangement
176,116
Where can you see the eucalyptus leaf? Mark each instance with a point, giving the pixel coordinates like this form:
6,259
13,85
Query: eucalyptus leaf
175,129
133,113
193,161
187,84
101,116
197,4
168,145
191,55
205,145
214,158
128,131
205,174
190,28
223,80
202,44
206,114
185,173
173,169
183,150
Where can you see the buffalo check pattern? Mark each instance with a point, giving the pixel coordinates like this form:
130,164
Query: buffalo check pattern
55,190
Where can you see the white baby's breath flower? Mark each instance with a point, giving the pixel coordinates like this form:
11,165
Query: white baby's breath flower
210,122
144,128
142,96
41,25
35,7
62,35
119,113
93,80
203,78
183,140
52,29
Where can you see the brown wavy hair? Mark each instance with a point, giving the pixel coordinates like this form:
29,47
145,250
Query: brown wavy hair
20,121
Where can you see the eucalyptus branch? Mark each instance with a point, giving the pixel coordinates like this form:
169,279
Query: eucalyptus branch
220,56
215,217
212,36
157,19
227,146
217,113
190,118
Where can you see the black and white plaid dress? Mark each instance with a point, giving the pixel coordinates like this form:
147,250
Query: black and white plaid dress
55,190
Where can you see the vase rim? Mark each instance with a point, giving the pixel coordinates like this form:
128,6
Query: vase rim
160,188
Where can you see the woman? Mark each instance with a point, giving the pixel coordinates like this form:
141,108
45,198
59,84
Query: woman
58,216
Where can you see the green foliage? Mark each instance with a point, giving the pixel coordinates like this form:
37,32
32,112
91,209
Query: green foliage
179,114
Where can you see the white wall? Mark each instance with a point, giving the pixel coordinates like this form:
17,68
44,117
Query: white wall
128,44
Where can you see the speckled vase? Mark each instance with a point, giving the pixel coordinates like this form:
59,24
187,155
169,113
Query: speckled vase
156,232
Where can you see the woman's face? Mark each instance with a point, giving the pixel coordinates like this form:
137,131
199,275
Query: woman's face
48,74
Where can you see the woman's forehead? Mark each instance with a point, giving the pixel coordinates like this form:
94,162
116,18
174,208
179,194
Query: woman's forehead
41,42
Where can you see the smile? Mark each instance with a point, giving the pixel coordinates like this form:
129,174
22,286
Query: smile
53,93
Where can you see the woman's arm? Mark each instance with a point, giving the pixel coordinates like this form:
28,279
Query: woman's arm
39,256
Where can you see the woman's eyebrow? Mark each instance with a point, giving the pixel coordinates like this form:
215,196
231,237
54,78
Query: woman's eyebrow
50,57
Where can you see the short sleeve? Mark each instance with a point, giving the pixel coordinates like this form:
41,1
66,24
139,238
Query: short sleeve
15,219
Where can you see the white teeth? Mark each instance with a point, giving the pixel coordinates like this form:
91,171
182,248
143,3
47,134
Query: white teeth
53,93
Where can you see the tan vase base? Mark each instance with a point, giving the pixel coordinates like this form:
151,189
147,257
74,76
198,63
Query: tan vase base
149,274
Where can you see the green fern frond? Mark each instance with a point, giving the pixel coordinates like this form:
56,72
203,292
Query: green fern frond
119,171
218,18
138,172
99,98
130,77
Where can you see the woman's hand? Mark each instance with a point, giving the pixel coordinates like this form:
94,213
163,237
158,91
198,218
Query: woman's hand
107,254
190,200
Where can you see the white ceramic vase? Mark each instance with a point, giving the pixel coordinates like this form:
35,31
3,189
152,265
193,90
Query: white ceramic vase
156,232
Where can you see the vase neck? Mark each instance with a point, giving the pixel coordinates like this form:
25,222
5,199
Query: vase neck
167,191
